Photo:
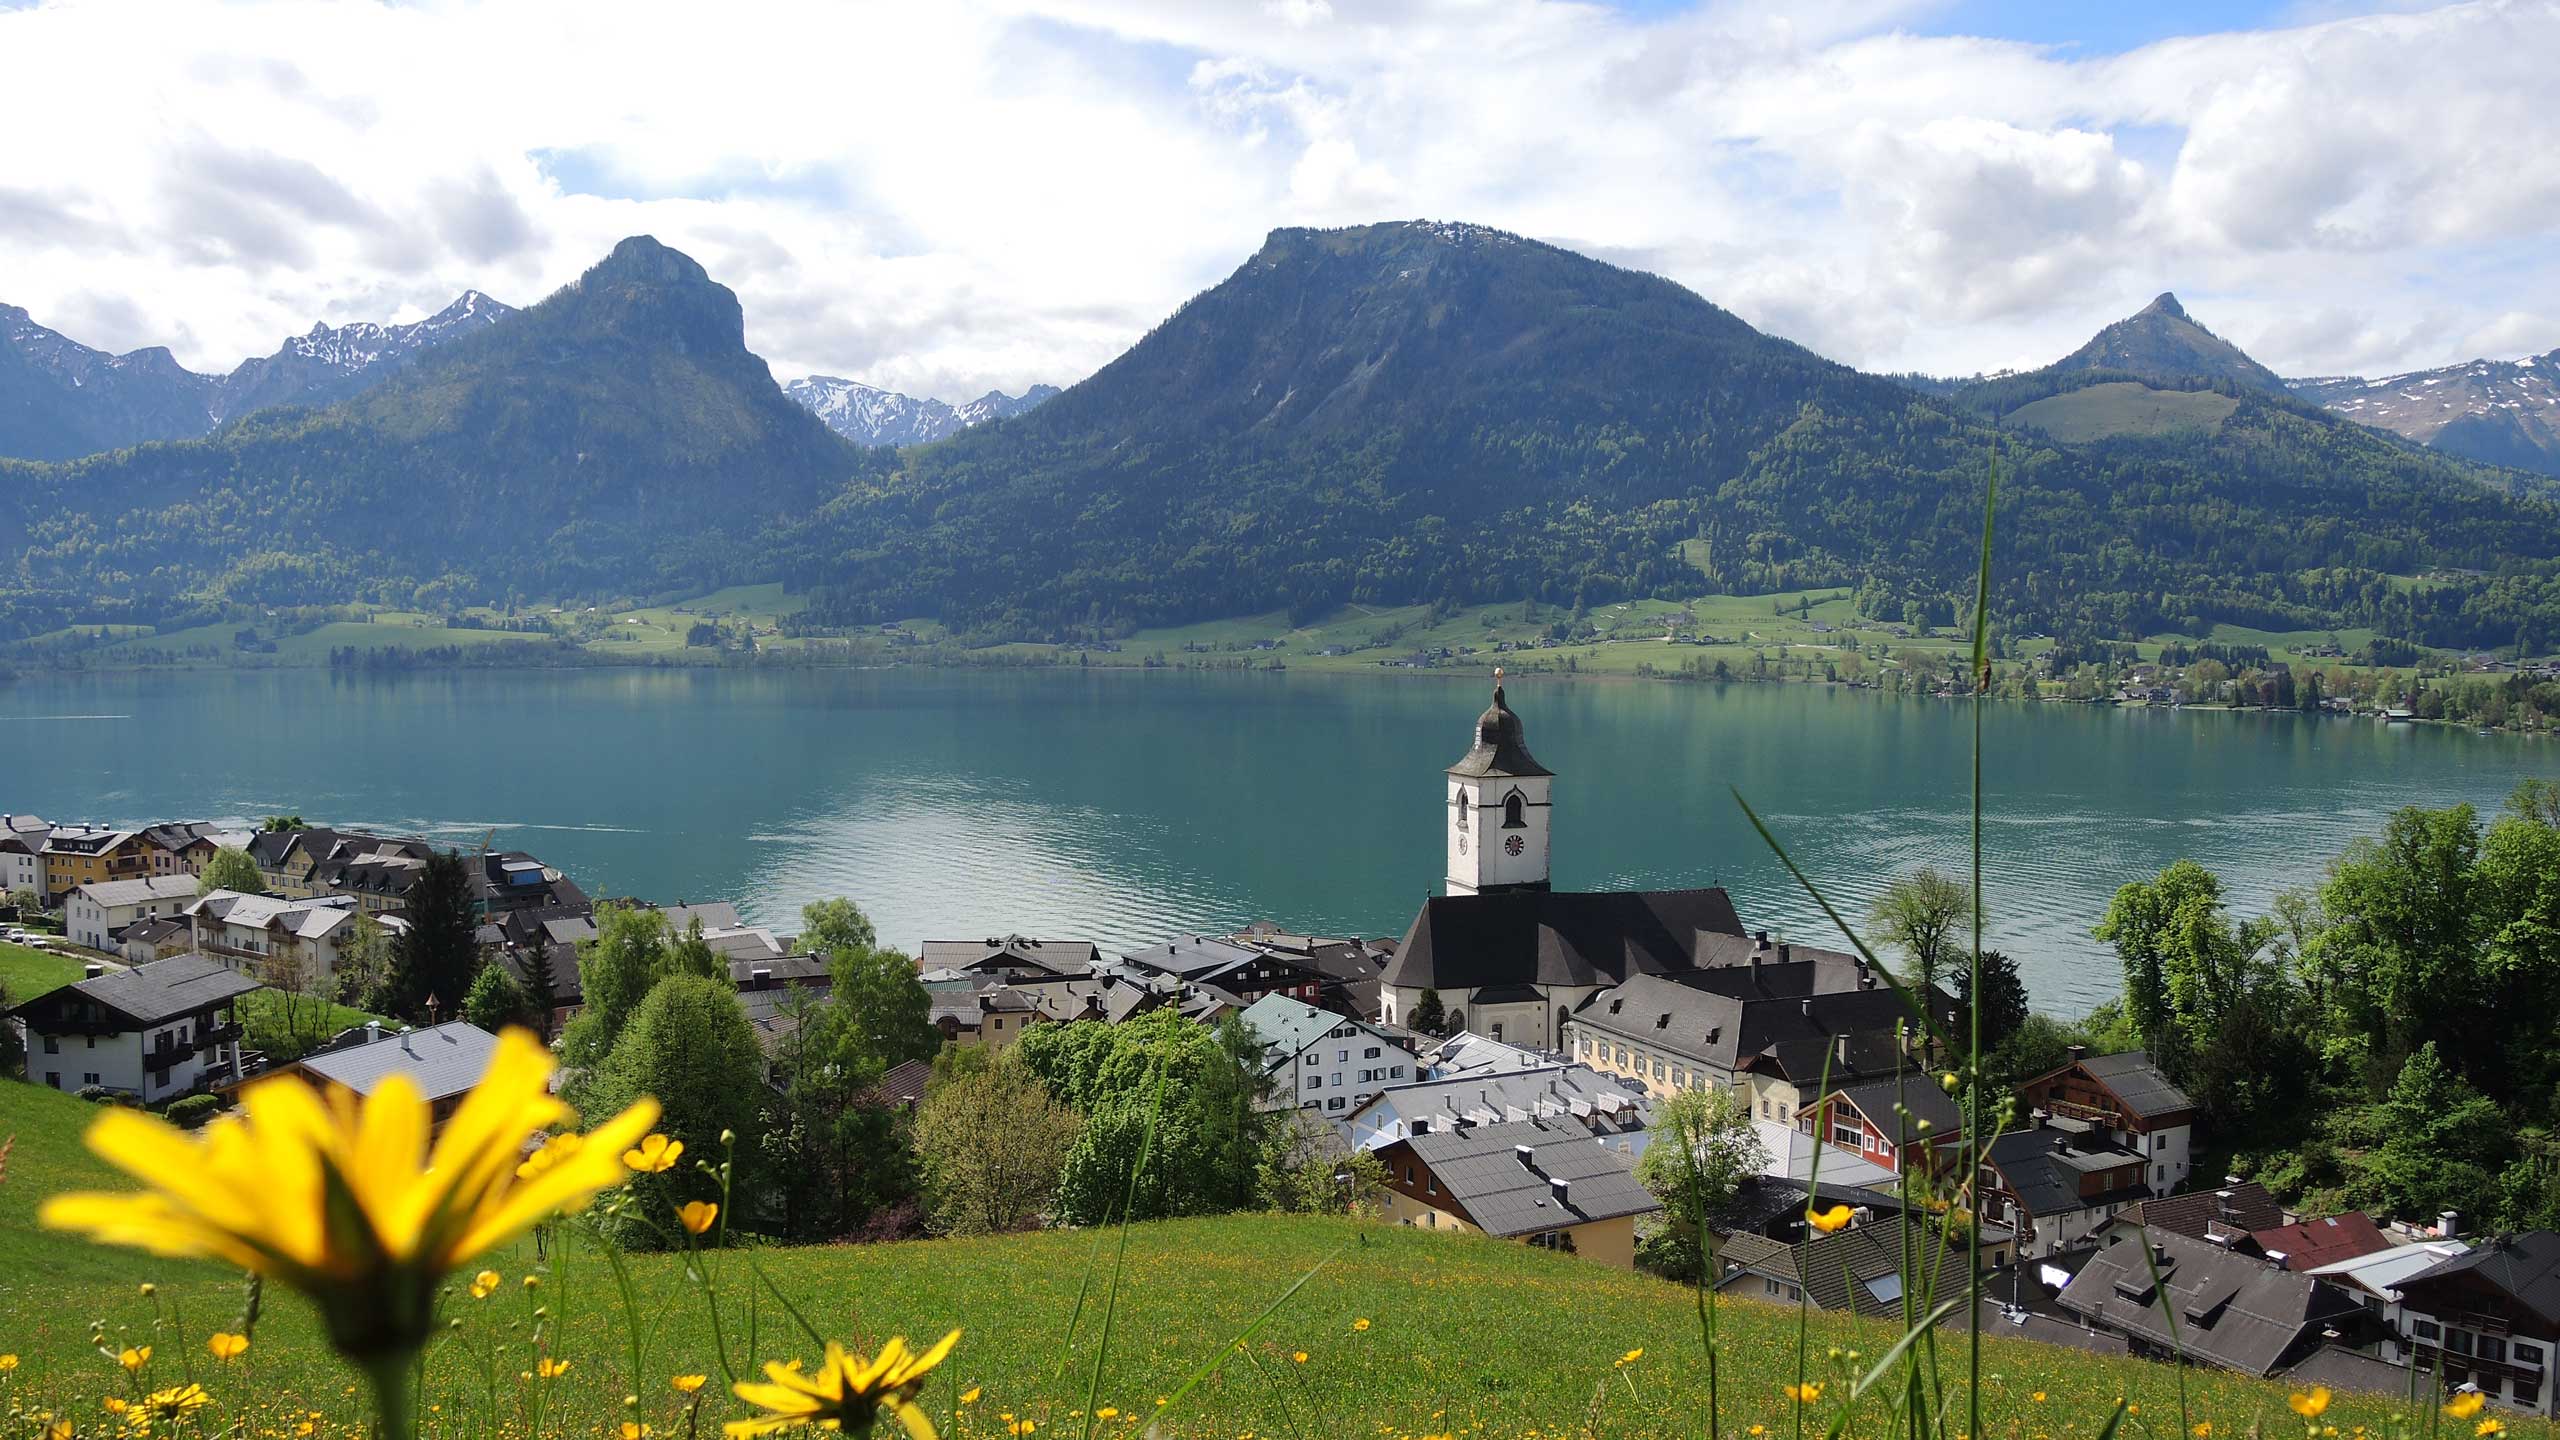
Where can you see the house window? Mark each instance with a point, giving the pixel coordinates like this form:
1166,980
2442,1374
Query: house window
2492,1348
1369,1054
1315,1082
2528,1392
2458,1341
1334,1104
53,1044
2529,1356
2426,1330
90,1078
1395,1072
2159,1142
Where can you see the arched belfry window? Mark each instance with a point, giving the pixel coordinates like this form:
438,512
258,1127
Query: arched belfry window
1514,812
1466,809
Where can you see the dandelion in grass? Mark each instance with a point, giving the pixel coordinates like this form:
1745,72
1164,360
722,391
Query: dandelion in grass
551,1369
1829,1220
1630,1357
2465,1405
1107,1412
114,1405
1805,1393
486,1283
134,1358
2490,1426
2310,1404
1298,1356
226,1346
634,1430
970,1395
350,1201
655,1155
1360,1324
2204,1430
697,1215
8,1363
687,1384
847,1393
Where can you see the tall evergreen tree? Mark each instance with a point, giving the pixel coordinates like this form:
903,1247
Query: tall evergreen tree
438,955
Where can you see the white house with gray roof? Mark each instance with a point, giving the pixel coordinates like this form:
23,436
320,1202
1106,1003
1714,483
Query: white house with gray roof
155,1031
94,912
443,1061
1322,1061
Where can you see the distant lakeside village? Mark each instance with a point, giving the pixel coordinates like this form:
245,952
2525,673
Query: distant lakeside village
1501,1069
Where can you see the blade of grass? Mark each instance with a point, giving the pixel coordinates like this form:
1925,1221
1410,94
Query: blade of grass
1973,988
1884,1364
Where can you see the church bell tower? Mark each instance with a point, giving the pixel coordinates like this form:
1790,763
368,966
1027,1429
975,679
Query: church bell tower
1497,800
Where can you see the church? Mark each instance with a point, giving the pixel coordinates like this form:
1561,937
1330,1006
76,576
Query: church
1514,958
1510,955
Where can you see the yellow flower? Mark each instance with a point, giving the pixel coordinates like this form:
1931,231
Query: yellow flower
555,1150
847,1393
697,1215
532,1281
687,1384
634,1430
1630,1357
1757,1430
551,1369
173,1403
133,1359
114,1406
486,1283
1829,1220
2204,1428
1107,1412
970,1395
2039,1397
1806,1393
2491,1426
2309,1405
2465,1405
1360,1324
8,1362
1299,1356
655,1156
226,1346
346,1200
1011,1427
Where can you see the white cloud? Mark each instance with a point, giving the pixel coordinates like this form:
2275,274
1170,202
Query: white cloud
951,197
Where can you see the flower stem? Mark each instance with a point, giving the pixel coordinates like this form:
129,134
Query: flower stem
394,1377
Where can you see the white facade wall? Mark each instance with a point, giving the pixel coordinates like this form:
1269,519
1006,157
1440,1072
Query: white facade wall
1348,1065
73,1062
2419,1327
2169,1152
86,922
21,870
1488,851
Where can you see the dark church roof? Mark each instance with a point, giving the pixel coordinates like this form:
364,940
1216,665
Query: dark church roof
1499,749
1546,937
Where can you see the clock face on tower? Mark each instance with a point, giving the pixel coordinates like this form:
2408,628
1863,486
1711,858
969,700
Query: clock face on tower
1514,845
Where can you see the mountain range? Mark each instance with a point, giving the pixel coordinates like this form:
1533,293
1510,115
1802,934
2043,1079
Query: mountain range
59,399
1388,413
868,415
2504,412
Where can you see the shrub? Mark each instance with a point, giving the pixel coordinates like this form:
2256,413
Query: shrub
190,1112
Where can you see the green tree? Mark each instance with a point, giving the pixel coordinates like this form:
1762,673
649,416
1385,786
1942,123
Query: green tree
689,1044
231,869
881,997
992,1143
2435,1143
541,988
436,957
1924,916
1703,1148
496,1001
281,824
2400,952
1307,1169
1429,1017
690,954
2139,923
827,926
2004,997
616,970
841,1159
364,965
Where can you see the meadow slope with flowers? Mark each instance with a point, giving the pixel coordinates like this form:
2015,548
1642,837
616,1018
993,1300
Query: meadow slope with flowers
1399,1333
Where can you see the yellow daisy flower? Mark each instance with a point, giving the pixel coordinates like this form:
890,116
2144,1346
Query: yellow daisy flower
697,1215
2465,1405
687,1384
172,1403
226,1346
847,1393
486,1283
1360,1324
346,1200
2490,1426
2309,1404
1806,1393
550,1368
134,1359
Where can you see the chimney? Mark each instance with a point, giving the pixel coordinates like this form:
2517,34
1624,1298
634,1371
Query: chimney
1760,940
2449,1222
372,1031
1785,951
92,970
1528,1158
1755,969
1561,1189
1841,1047
2078,1053
2159,1254
760,978
1806,1006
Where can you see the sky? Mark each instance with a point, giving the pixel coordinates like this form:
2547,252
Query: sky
951,197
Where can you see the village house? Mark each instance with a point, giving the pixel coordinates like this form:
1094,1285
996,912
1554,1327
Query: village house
1468,1053
1320,1061
2311,1245
2128,1098
1242,972
2059,1182
1566,1094
22,843
1011,957
1858,1268
994,1015
1535,1181
181,848
2227,1217
158,938
442,1061
2374,1280
1353,969
2490,1318
297,944
153,1032
2234,1310
94,912
87,855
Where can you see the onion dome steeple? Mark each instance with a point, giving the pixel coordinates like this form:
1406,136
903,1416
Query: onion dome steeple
1500,749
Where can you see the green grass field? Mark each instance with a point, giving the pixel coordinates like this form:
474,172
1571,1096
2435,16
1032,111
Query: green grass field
1465,1336
2122,407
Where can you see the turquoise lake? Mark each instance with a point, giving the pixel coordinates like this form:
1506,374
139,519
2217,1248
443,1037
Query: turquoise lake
1127,807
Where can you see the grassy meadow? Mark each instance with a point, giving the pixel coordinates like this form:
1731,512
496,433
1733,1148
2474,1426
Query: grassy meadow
1464,1336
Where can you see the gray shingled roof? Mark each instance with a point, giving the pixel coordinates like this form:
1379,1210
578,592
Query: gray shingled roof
2525,1265
2137,1082
136,892
162,989
1858,1268
2353,1371
2028,1161
442,1060
2236,1311
2245,1207
1481,1171
1554,937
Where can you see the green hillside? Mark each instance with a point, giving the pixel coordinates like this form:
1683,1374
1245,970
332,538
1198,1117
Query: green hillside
2123,407
1465,1336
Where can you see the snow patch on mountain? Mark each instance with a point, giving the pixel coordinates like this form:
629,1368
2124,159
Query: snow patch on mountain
869,415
